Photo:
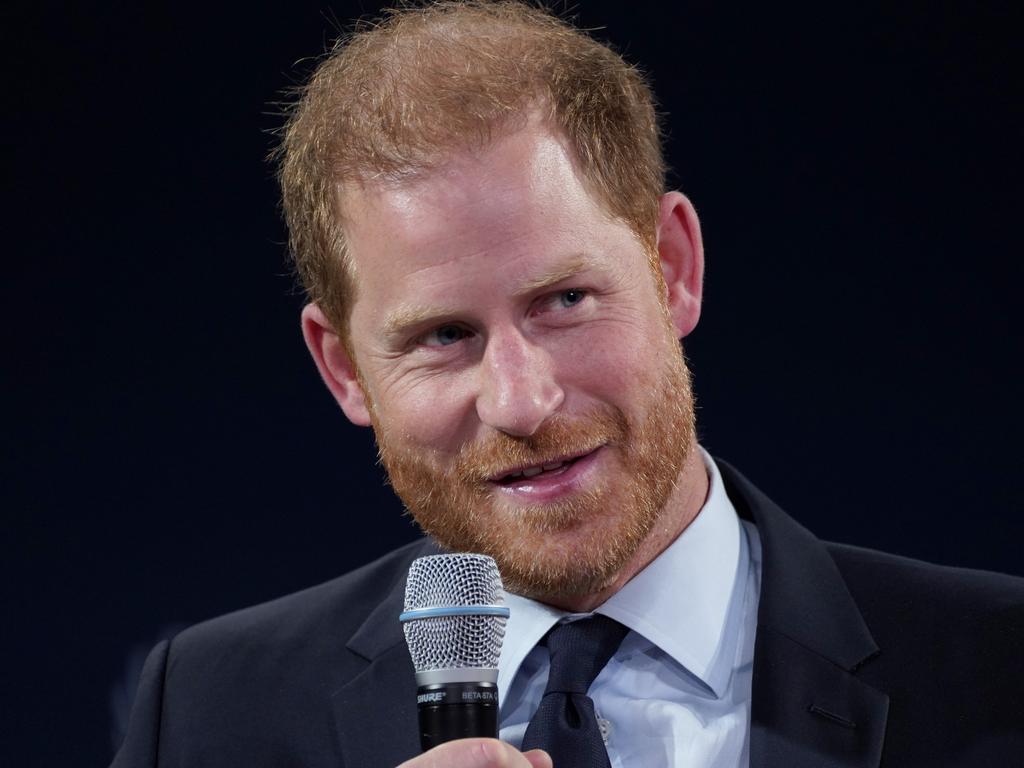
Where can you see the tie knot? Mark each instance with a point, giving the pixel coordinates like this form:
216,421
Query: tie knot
579,650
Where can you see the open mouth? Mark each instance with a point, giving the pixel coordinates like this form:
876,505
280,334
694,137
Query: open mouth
539,471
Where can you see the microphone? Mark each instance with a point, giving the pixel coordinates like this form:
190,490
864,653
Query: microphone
454,622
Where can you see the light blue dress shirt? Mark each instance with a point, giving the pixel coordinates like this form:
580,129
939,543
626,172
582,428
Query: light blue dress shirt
677,691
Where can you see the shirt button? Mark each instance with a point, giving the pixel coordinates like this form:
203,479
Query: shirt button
605,726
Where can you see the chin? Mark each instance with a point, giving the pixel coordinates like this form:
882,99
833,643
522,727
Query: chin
542,559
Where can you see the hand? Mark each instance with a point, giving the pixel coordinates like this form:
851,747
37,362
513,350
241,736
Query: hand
479,753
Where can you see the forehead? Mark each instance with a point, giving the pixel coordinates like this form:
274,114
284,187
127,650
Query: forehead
477,199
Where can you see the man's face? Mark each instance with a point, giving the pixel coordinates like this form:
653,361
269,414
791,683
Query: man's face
522,374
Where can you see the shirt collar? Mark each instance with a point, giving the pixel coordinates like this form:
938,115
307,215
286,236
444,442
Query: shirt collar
680,602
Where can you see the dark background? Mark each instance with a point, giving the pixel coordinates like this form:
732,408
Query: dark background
169,453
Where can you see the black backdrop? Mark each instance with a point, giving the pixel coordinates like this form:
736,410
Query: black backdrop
169,453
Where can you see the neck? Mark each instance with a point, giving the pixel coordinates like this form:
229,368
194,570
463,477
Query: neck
681,509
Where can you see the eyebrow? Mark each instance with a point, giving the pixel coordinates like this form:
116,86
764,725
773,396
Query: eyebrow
412,315
574,266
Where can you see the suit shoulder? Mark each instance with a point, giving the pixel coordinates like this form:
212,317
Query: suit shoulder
272,670
949,643
333,609
918,587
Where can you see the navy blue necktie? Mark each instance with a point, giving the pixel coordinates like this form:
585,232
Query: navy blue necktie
565,724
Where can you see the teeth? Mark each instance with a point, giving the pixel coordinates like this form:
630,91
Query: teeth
534,471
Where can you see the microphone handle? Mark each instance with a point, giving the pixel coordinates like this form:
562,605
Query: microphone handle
462,710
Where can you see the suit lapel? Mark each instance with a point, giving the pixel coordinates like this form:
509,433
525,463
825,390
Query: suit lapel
809,707
375,712
808,712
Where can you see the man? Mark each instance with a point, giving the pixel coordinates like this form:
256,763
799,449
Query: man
498,284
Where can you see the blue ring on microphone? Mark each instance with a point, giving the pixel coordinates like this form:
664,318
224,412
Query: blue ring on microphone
454,610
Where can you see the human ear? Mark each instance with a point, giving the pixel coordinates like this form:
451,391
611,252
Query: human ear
681,252
335,365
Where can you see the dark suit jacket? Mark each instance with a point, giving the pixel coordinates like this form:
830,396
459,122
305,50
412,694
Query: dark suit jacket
861,659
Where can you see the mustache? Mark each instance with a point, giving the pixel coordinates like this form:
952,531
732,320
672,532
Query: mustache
560,438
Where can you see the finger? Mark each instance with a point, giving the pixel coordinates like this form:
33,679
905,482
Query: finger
474,753
538,758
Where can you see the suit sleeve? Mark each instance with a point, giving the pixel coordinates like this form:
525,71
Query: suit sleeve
142,742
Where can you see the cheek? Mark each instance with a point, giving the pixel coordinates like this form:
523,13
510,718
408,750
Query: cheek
610,359
427,414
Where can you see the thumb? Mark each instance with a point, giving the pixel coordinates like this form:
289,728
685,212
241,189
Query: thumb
538,758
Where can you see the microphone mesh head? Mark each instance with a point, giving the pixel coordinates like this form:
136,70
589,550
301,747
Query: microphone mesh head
454,642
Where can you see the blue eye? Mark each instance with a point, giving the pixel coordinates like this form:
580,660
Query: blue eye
444,336
571,297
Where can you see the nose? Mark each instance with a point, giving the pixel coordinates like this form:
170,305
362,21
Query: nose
518,389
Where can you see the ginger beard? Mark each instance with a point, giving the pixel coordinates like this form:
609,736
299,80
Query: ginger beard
572,546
